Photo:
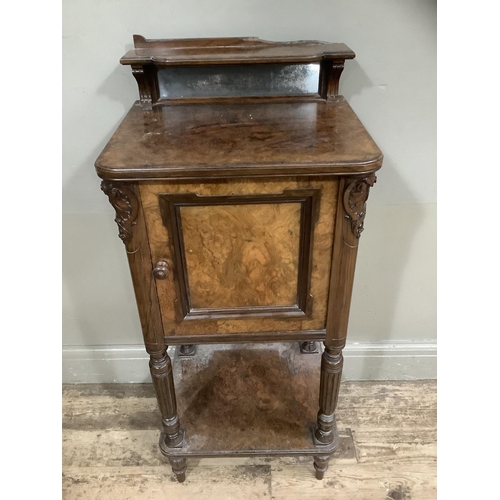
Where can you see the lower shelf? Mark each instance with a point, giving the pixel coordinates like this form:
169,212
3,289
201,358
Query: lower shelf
244,400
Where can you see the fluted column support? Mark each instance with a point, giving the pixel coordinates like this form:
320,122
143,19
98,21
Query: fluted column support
331,373
163,381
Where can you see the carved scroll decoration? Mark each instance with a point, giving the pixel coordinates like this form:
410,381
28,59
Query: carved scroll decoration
355,197
144,84
125,203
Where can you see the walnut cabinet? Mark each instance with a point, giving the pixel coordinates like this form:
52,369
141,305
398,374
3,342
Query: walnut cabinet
240,180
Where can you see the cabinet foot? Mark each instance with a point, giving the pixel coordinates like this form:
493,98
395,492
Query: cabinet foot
178,468
309,348
320,465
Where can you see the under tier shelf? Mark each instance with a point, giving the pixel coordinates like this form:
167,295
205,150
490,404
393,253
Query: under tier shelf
244,400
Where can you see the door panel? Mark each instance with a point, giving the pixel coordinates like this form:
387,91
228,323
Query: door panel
244,256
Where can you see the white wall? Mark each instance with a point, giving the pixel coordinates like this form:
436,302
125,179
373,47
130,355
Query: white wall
391,85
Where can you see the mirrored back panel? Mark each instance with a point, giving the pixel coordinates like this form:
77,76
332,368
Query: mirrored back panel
245,80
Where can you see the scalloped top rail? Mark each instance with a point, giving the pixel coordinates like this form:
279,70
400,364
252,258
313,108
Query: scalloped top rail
209,69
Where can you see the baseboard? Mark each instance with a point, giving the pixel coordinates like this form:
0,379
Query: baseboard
390,360
394,360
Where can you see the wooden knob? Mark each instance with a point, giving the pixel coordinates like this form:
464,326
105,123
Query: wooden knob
161,271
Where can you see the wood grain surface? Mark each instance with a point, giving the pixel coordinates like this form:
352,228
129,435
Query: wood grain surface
110,450
242,255
239,139
162,244
258,397
231,50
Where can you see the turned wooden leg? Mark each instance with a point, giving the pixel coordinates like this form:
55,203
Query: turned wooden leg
308,348
331,372
321,464
163,381
186,350
178,468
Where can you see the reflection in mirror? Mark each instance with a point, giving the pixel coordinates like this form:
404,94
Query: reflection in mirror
246,80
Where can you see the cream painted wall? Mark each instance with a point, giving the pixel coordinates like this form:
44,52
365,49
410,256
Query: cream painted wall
391,85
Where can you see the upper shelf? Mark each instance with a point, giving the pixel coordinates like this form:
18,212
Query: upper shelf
205,69
194,51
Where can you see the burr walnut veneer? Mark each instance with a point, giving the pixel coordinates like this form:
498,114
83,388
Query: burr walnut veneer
239,182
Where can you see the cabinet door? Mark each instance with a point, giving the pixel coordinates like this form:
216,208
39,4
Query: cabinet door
241,256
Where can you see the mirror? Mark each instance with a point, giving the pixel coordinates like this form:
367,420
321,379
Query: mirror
244,80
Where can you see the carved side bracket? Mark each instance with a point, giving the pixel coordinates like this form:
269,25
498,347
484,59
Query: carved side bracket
355,196
126,205
145,90
330,77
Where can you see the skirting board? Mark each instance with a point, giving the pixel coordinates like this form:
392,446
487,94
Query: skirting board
395,360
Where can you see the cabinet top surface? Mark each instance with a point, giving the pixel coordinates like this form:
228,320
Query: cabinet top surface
239,139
